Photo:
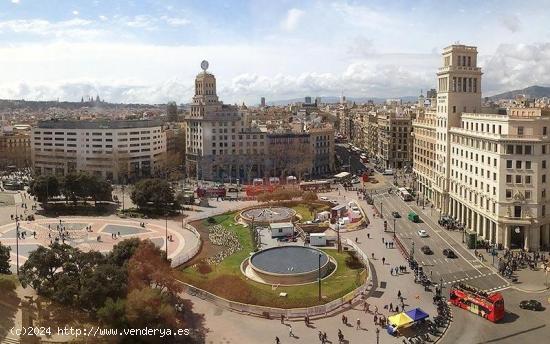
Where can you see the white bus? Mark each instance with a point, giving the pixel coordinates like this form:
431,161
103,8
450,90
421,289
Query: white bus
404,194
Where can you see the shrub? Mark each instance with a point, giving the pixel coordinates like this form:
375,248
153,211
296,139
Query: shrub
8,283
353,262
211,220
203,267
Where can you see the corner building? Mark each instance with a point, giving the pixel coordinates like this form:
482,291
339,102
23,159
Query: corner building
490,166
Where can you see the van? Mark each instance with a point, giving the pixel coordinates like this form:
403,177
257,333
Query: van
413,217
387,172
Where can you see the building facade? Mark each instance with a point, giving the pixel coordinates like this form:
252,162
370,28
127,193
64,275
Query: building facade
15,148
118,150
224,143
489,168
394,137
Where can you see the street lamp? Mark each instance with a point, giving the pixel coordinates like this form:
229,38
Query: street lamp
319,277
381,214
377,335
338,234
394,228
412,251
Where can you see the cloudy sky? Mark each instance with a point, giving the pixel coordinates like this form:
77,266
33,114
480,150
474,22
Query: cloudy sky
149,51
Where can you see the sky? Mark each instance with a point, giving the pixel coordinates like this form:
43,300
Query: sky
149,51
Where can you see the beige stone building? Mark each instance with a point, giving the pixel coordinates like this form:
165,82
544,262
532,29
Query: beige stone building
394,137
224,143
490,169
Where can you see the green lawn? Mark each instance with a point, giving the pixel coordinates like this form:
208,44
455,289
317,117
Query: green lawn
226,279
303,210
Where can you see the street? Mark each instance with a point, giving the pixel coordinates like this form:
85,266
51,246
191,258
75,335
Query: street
464,268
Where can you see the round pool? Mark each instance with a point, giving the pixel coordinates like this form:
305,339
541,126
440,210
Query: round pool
290,265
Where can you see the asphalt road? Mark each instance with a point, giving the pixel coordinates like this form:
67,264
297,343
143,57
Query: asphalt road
518,326
464,268
350,158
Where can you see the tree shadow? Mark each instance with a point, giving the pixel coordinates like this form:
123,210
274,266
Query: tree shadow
9,306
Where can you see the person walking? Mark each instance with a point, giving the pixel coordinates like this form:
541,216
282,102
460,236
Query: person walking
282,318
358,324
277,340
383,261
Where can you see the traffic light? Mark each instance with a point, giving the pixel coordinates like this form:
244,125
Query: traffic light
385,226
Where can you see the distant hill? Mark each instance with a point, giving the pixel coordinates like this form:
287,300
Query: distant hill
334,99
529,92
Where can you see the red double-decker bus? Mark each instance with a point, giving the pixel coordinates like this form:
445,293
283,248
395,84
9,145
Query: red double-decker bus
487,305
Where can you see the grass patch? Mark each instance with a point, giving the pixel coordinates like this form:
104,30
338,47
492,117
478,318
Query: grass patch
226,280
304,210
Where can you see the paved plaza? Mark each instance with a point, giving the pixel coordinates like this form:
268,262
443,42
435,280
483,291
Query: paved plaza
89,233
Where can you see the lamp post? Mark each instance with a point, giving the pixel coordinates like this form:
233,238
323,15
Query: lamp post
394,228
338,234
381,207
166,232
319,277
377,335
463,234
412,251
17,239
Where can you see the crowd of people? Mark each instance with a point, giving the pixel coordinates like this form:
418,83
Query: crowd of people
512,261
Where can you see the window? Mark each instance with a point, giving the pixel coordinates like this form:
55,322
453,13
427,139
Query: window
528,165
528,150
517,211
544,131
543,210
520,131
543,163
508,193
527,194
519,149
518,163
509,149
543,149
543,178
527,179
518,179
508,163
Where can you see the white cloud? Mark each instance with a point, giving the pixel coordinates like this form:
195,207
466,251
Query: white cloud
142,21
15,2
73,28
75,12
176,22
292,19
103,18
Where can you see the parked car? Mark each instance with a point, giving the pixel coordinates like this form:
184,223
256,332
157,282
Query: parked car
426,249
333,202
422,233
396,214
323,198
533,305
413,217
449,253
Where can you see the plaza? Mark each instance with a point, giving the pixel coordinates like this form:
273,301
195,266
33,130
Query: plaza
88,233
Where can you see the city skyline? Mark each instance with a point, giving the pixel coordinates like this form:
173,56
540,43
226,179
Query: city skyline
149,52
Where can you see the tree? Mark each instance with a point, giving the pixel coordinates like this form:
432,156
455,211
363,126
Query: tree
113,313
309,196
148,267
156,194
123,251
5,259
41,269
105,282
44,187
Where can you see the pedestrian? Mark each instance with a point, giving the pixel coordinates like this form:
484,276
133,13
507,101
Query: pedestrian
321,337
399,294
382,240
375,309
282,318
391,307
324,337
277,340
375,318
343,319
290,334
372,255
383,260
368,235
358,324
